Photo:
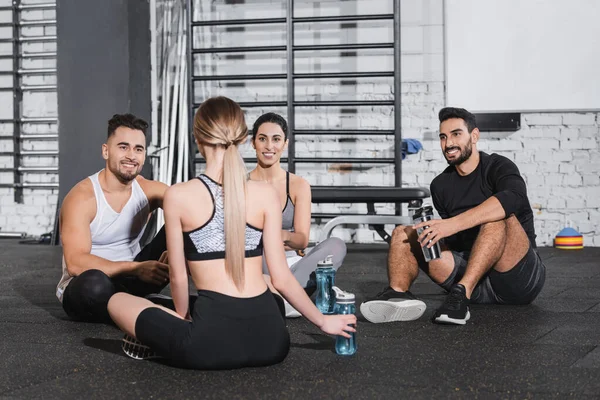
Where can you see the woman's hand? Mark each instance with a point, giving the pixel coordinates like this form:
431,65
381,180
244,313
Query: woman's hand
338,324
164,258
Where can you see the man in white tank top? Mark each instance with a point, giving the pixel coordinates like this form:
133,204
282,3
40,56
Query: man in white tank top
102,220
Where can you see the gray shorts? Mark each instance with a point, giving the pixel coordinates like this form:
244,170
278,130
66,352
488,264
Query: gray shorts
520,285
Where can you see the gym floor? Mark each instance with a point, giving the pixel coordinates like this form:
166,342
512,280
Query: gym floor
546,350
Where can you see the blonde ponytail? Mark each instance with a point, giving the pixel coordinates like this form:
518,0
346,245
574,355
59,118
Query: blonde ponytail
234,199
220,122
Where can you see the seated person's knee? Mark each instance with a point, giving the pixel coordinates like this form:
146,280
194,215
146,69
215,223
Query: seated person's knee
338,248
401,233
96,286
494,225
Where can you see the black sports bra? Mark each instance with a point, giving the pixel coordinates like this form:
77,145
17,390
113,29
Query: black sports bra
208,241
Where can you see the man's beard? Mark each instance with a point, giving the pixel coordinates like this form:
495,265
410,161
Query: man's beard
124,177
464,155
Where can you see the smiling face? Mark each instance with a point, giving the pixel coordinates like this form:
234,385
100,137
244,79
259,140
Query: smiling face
125,153
456,141
269,143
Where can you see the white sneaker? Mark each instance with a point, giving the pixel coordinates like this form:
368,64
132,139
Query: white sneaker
390,306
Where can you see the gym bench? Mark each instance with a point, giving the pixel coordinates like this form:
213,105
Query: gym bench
369,195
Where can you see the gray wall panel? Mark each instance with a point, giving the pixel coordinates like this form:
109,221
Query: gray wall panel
103,68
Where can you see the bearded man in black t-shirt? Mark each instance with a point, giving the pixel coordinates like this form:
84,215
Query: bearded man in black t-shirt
486,235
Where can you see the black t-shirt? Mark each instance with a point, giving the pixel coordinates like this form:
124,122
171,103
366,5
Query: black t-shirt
495,175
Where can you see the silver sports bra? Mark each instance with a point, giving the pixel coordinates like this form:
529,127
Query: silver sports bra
208,241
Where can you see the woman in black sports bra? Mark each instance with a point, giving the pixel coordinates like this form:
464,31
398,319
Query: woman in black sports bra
270,140
220,226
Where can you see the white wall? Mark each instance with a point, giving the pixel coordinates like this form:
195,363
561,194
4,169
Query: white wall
523,56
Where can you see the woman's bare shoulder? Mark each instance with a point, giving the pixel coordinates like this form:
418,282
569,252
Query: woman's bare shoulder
185,192
298,181
299,186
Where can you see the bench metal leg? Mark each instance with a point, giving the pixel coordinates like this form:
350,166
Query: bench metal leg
362,219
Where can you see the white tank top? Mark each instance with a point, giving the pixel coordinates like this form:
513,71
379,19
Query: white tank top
115,236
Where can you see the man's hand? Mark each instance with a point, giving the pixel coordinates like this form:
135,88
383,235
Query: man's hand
436,231
154,272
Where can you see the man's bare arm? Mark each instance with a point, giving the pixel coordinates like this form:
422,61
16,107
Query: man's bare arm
154,190
490,210
77,212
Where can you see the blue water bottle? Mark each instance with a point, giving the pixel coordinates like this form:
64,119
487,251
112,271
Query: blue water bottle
344,304
325,280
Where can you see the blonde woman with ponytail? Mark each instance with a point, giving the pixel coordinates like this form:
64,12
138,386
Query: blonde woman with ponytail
229,224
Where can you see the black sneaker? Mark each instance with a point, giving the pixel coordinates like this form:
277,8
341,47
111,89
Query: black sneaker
311,285
389,306
455,309
135,349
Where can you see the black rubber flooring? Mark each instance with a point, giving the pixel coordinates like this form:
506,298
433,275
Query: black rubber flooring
546,350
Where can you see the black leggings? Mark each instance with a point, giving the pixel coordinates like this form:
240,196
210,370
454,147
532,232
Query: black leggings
225,333
87,295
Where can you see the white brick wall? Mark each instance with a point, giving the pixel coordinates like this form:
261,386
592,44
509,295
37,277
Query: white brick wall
36,214
556,162
558,153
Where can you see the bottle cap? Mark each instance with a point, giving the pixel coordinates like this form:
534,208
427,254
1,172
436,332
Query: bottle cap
425,210
343,297
415,203
418,213
327,262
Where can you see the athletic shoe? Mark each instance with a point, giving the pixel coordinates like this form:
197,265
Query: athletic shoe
455,309
135,349
291,312
311,285
390,305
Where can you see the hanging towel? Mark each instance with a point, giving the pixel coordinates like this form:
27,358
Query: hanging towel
410,146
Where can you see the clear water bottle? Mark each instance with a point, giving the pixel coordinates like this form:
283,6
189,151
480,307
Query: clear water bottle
325,280
345,304
423,214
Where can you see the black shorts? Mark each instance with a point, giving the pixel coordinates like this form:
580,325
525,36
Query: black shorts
520,285
225,333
